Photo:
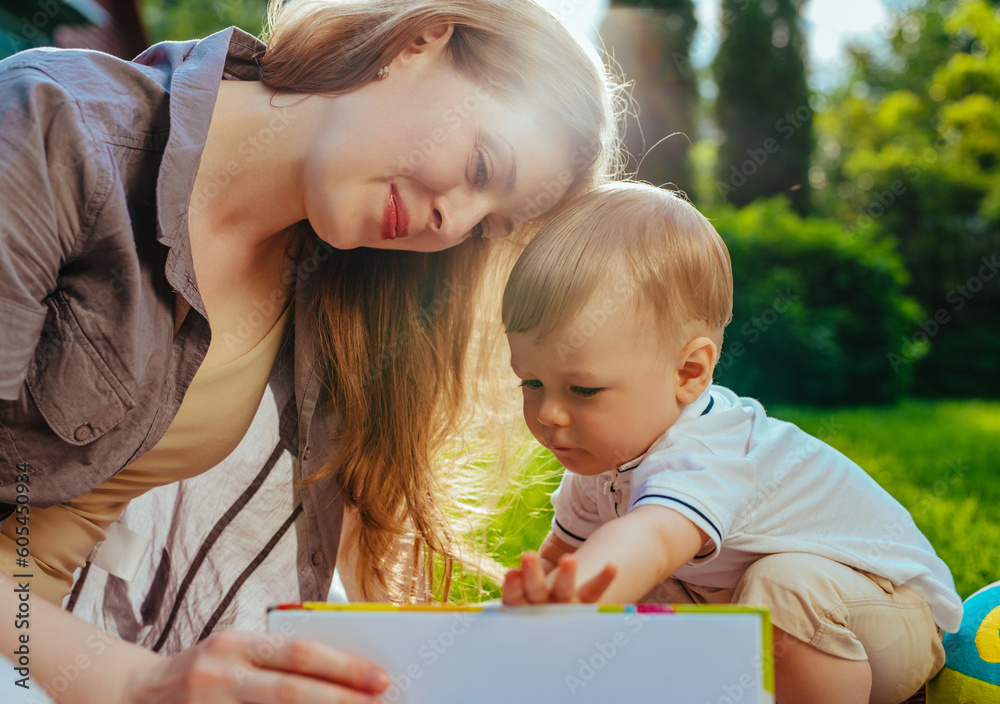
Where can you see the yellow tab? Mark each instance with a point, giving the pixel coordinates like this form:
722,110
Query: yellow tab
988,636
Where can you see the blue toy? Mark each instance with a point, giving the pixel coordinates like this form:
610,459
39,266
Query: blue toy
971,673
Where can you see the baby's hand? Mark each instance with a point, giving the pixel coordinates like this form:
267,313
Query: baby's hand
529,584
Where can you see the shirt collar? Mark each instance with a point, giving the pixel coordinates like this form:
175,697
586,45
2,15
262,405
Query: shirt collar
692,411
192,71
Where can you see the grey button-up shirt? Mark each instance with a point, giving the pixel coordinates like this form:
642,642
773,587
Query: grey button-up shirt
98,158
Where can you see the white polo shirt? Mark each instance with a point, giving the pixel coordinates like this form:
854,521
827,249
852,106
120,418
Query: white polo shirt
758,486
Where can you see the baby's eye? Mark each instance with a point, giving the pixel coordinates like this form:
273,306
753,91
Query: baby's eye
585,391
530,384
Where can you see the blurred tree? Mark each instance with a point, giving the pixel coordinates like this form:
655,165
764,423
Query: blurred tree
763,108
25,23
651,41
814,311
914,144
193,19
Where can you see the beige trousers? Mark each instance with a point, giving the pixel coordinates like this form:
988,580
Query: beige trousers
838,610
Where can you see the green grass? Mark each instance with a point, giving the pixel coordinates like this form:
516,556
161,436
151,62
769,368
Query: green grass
938,458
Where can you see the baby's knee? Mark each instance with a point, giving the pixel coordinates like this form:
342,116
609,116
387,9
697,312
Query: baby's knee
848,614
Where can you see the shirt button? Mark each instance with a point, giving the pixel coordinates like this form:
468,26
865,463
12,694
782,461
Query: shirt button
305,454
83,433
317,558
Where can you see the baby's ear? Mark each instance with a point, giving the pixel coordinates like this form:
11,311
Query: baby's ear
695,364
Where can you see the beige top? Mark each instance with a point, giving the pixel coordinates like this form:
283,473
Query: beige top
213,417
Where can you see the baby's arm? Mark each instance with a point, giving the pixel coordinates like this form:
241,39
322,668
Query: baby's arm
552,550
619,563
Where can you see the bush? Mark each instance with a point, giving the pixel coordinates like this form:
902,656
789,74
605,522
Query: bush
817,309
964,359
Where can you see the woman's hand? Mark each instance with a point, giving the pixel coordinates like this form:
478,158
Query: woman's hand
245,667
224,668
529,584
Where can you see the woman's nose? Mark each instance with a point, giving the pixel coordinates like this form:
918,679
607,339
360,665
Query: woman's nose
454,219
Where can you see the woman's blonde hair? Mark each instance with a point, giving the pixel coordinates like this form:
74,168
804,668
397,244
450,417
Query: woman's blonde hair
394,327
646,241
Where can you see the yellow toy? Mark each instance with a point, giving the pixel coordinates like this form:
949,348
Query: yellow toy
971,673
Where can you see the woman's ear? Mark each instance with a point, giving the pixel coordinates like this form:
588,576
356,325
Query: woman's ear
695,364
431,42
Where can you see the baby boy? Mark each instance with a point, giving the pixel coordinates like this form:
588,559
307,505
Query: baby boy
678,490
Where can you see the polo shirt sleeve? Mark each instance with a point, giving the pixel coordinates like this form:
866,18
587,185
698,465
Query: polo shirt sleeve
715,493
48,184
575,504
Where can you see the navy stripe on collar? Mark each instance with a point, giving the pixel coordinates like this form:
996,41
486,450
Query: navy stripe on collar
711,402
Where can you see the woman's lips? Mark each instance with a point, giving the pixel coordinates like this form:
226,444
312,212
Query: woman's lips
395,217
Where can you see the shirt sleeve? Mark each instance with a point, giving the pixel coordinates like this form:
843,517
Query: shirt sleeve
48,182
575,504
712,492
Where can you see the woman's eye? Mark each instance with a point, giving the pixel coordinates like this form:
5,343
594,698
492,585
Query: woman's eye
481,169
530,384
585,391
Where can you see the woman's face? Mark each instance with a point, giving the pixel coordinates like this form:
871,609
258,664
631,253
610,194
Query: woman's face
425,158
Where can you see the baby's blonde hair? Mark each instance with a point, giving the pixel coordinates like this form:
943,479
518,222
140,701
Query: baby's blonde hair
650,239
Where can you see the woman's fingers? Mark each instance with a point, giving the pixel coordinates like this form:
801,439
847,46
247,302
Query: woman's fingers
238,667
319,660
594,588
277,687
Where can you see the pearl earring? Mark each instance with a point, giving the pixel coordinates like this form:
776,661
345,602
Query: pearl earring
383,72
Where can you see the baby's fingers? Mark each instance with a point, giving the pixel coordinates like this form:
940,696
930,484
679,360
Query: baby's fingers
536,588
595,588
513,588
564,586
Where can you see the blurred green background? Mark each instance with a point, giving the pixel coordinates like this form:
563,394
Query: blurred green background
872,204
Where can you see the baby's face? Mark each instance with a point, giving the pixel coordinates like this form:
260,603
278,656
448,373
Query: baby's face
598,390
